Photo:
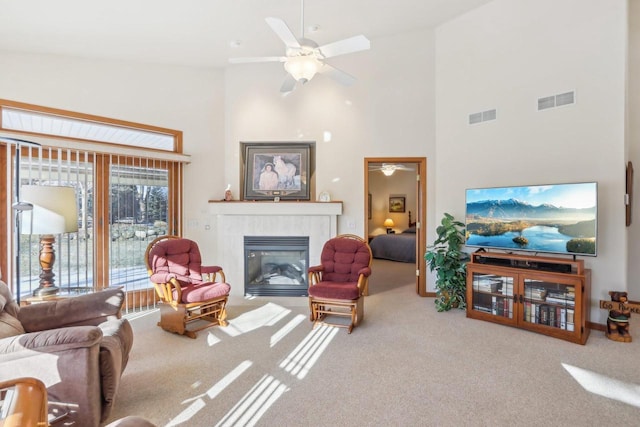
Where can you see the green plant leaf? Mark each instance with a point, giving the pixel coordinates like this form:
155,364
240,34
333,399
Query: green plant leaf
446,258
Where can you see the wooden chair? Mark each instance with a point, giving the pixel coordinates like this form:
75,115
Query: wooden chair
23,402
337,286
188,291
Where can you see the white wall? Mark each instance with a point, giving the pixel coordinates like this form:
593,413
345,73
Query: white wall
507,54
503,55
186,99
633,139
388,112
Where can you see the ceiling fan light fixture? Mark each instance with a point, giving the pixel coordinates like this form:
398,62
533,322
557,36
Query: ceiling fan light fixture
303,67
388,170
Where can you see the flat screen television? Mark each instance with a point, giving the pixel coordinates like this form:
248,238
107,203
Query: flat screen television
558,218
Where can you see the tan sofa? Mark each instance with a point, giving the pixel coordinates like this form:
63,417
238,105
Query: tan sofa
78,347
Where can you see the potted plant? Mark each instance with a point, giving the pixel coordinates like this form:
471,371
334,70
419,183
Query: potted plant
446,258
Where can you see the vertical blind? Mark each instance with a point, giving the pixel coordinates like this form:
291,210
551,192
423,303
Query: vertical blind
127,179
124,202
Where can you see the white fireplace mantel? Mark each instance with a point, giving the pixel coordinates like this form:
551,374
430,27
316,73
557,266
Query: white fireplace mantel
236,219
275,208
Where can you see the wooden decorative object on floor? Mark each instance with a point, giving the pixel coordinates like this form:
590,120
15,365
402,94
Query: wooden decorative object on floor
619,315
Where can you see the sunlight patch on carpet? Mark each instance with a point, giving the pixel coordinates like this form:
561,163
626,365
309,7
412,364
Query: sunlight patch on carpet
228,379
300,361
198,403
188,413
212,339
605,386
255,403
267,315
139,314
284,331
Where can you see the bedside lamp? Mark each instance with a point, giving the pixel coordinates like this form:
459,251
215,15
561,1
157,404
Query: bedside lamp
388,223
54,211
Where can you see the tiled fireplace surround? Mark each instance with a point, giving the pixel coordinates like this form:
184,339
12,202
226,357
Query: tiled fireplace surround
234,220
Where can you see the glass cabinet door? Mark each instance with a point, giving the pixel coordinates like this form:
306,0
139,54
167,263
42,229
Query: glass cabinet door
549,303
492,294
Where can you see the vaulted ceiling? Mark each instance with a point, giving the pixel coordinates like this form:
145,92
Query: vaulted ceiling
203,32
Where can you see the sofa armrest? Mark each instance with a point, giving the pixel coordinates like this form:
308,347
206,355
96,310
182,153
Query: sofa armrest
49,341
115,346
90,309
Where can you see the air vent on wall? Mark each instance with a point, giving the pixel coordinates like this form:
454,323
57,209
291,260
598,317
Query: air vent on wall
482,116
559,100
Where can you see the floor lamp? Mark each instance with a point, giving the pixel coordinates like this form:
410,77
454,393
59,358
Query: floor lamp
54,211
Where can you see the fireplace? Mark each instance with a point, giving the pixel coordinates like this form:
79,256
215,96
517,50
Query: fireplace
231,222
276,265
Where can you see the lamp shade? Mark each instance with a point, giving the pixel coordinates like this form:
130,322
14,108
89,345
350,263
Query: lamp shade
55,209
388,222
302,68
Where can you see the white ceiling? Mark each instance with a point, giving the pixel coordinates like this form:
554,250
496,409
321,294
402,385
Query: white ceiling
200,32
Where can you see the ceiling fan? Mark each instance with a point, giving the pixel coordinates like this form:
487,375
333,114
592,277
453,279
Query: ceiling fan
304,58
389,168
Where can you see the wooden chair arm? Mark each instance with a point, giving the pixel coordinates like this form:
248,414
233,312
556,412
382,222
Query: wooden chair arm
366,271
315,277
315,274
363,284
165,291
28,405
161,277
213,273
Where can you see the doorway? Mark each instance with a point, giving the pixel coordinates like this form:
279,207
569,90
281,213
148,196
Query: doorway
395,189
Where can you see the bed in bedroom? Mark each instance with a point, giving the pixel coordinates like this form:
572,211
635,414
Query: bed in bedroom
396,247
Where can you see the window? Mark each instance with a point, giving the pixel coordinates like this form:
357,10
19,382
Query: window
124,202
36,120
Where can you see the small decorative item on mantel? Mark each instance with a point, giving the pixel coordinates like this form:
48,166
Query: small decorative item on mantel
227,194
619,314
324,197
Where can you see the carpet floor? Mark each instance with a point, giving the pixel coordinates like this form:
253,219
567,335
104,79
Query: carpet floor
405,365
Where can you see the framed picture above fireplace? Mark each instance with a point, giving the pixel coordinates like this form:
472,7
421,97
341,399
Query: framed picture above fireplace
277,171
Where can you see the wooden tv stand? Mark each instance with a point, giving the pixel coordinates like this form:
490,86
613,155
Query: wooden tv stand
541,294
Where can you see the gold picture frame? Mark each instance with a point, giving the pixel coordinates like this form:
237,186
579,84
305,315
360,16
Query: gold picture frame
276,170
396,204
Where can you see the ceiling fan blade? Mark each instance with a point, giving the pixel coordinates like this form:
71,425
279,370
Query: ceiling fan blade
288,85
337,75
247,60
282,30
342,47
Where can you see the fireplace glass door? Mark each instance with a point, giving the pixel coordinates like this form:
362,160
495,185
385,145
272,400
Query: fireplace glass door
276,265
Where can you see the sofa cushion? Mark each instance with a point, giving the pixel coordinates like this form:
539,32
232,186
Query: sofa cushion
343,259
7,304
203,291
177,256
9,326
335,290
